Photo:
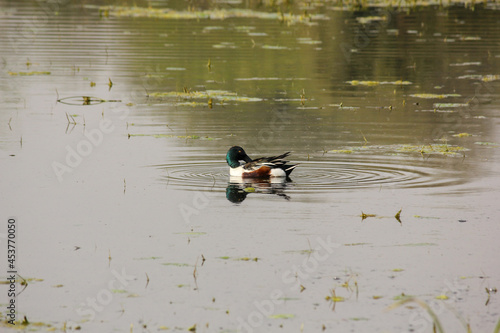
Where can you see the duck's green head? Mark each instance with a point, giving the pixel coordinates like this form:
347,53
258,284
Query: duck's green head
235,155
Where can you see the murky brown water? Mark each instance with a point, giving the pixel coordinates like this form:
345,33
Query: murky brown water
126,212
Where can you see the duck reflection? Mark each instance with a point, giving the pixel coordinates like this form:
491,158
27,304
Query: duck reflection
238,188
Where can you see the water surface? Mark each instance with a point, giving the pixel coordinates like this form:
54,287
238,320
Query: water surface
127,215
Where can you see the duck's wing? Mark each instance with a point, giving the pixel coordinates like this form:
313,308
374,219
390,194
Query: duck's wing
272,162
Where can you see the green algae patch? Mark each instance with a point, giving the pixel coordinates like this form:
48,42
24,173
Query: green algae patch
462,135
486,143
221,95
450,105
240,258
159,136
440,149
148,258
376,83
26,325
370,19
28,73
442,297
400,297
176,264
118,291
282,316
434,96
275,47
209,14
417,244
489,78
341,151
426,217
192,233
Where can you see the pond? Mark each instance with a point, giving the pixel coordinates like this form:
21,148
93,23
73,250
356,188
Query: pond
116,119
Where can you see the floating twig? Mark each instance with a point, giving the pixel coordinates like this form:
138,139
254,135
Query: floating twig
85,100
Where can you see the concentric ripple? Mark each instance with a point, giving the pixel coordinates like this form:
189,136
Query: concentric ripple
314,176
318,176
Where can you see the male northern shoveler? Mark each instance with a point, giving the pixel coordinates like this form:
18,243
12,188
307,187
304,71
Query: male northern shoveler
274,166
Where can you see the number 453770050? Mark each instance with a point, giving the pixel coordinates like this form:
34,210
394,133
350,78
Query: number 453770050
11,243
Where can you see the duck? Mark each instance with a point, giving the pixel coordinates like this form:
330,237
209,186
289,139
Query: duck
241,165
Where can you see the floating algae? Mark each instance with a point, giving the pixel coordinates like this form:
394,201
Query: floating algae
209,14
376,83
434,96
221,95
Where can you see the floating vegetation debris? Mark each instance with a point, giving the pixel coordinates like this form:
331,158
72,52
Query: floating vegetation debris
190,137
432,314
376,83
221,95
365,216
442,297
450,105
489,78
370,19
282,316
175,264
274,47
209,14
341,151
486,143
441,149
398,216
271,79
192,233
462,135
224,45
85,100
333,297
308,40
418,244
426,217
478,63
484,78
28,73
434,96
25,325
240,258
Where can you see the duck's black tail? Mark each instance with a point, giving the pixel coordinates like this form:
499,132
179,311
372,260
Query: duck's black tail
289,168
